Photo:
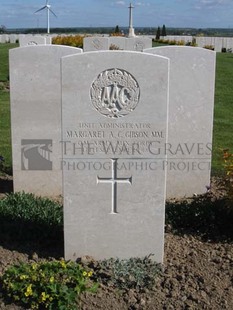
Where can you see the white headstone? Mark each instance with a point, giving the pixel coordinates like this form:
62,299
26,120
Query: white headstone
188,39
201,42
224,42
218,44
208,41
35,82
5,38
138,43
229,44
190,125
95,44
31,40
13,38
48,39
114,120
117,43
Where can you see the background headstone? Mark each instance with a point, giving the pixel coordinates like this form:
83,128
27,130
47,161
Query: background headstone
138,43
95,44
114,107
13,38
201,41
218,44
48,39
35,82
190,125
5,38
229,44
118,42
30,40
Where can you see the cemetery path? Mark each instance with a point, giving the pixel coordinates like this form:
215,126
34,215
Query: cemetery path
196,275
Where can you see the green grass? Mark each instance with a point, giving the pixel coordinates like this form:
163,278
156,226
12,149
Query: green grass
223,113
5,136
4,72
5,132
156,44
29,220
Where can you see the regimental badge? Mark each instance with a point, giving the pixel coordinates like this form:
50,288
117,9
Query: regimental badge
115,93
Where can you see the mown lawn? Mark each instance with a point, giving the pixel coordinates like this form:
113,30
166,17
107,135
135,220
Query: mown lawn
223,114
5,133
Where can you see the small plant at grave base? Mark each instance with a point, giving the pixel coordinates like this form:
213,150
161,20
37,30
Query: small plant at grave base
133,273
113,47
209,47
193,43
47,285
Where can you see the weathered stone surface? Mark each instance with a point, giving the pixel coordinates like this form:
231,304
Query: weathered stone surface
95,44
114,109
30,40
190,125
35,82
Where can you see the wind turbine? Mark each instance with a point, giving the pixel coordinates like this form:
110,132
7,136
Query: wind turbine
48,7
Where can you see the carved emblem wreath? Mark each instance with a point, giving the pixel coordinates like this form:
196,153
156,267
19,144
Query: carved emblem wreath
115,93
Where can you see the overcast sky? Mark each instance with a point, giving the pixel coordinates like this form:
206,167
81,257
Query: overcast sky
97,13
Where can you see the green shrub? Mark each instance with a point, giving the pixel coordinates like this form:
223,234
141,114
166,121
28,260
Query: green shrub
70,40
52,285
21,213
170,42
28,207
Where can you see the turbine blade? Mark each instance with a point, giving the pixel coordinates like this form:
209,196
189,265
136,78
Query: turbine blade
44,7
52,12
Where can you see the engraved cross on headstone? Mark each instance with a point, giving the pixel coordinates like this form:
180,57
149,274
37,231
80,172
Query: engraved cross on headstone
114,180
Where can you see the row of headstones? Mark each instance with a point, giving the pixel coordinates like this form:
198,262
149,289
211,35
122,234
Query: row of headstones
95,43
9,38
122,43
116,43
116,133
26,39
217,42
